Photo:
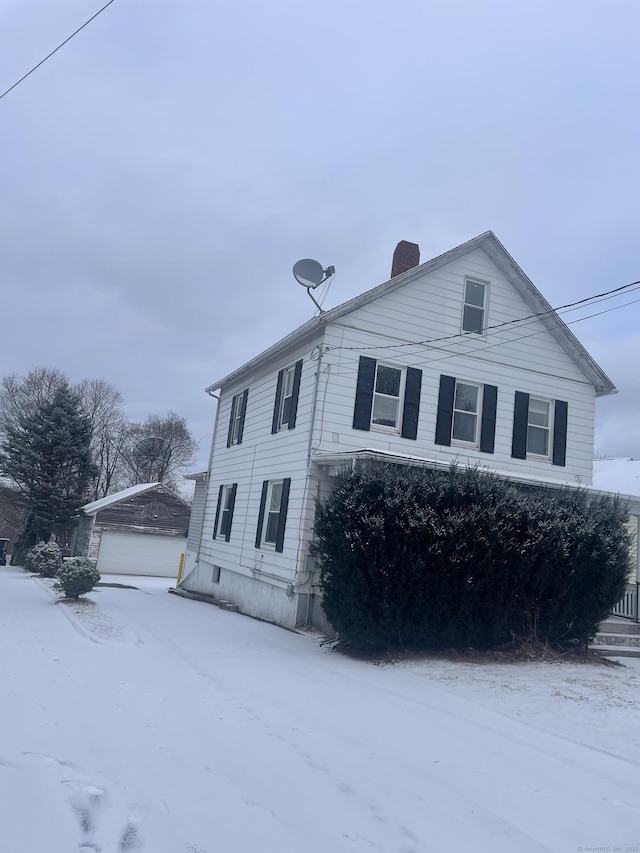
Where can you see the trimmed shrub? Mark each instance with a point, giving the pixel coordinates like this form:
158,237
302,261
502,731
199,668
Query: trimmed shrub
418,558
45,559
76,577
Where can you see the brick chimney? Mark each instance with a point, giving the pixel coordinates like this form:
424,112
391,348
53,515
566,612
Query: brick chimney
405,257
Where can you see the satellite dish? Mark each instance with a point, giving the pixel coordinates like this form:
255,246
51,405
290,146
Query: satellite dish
308,273
151,453
311,274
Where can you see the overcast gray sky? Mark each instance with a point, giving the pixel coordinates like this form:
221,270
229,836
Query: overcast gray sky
162,172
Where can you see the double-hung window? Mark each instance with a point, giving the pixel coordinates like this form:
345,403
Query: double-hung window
272,516
466,407
387,398
466,414
236,419
285,408
224,511
387,395
539,428
474,308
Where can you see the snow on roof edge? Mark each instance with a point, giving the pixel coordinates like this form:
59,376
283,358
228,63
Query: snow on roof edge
101,503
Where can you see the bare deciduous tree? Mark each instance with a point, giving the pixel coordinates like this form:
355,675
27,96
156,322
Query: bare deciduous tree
113,437
179,449
104,406
22,395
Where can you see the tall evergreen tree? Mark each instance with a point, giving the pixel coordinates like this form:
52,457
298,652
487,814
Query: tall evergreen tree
47,452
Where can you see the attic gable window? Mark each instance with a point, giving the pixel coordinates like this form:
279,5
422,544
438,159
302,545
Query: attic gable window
474,308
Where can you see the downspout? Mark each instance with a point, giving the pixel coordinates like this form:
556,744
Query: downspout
309,449
206,491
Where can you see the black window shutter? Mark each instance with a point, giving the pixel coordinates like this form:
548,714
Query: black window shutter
232,418
488,424
282,517
295,392
276,407
364,393
232,503
263,504
520,421
445,409
411,407
218,509
243,412
560,433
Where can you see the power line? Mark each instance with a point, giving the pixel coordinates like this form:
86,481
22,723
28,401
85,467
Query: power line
453,353
62,44
551,311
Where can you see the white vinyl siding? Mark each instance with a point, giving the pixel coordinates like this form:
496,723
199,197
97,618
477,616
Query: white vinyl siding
197,515
429,307
263,455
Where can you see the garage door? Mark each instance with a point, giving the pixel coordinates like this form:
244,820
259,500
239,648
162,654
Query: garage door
140,554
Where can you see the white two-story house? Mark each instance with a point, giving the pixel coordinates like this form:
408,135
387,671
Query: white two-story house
459,359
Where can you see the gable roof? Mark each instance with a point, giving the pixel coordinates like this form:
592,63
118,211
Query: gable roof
532,297
95,506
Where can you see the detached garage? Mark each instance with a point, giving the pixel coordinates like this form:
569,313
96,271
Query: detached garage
139,531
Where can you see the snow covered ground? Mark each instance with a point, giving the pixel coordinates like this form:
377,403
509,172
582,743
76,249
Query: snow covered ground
141,721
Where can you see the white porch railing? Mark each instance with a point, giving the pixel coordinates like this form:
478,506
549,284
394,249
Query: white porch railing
627,607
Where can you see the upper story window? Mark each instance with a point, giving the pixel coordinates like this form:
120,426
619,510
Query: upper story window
387,398
236,419
466,414
539,428
474,309
286,402
466,403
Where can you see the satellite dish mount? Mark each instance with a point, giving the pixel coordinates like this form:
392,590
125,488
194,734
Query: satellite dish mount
311,274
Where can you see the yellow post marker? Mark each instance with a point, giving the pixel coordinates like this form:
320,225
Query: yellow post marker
180,569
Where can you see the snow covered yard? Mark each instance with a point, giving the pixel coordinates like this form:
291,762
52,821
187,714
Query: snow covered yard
140,721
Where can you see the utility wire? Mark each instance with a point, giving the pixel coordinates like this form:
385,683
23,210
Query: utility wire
454,353
550,312
62,44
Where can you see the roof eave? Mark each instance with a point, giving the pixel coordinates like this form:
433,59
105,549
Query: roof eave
291,341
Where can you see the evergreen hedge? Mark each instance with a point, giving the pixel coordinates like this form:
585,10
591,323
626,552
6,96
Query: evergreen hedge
418,558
